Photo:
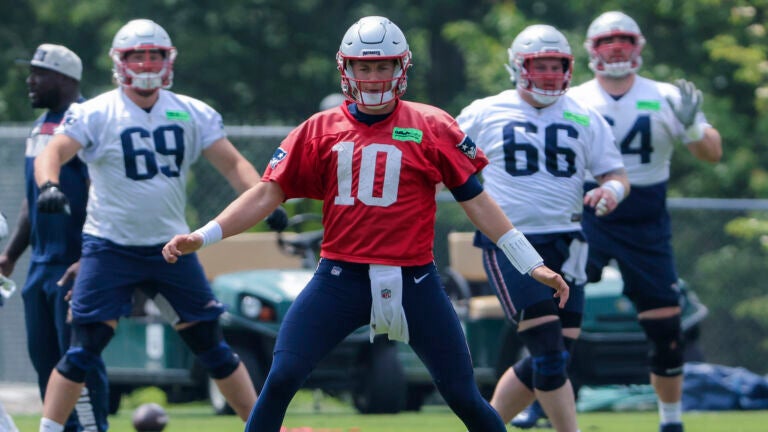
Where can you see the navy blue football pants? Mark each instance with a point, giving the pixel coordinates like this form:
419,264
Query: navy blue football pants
48,336
336,302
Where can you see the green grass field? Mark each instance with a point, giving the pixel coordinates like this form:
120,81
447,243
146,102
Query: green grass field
328,415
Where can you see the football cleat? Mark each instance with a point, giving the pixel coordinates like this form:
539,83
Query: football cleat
529,417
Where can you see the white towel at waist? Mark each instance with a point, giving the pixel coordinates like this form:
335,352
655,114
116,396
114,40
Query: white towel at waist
575,266
387,314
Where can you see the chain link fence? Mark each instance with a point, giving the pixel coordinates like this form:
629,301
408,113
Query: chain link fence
724,268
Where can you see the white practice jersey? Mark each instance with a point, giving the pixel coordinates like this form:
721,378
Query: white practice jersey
138,162
643,123
539,157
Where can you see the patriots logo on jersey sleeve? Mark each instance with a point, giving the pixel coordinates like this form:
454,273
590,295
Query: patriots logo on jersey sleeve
468,147
69,119
278,156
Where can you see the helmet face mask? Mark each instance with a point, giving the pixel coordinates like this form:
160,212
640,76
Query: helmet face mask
545,81
614,43
375,41
143,56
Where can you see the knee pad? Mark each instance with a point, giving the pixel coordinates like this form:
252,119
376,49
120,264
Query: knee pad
570,345
206,341
548,355
666,345
524,371
84,353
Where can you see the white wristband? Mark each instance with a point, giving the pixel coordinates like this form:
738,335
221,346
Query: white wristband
695,132
210,232
616,187
519,251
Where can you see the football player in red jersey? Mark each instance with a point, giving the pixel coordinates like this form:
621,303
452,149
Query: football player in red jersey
375,163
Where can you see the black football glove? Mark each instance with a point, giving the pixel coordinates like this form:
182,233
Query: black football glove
52,199
278,220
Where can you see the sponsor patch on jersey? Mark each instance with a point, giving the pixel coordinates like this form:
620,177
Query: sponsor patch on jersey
278,156
177,115
407,134
649,105
581,119
69,119
468,147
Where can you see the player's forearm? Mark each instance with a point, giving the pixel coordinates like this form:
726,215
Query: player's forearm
709,149
619,175
243,176
48,163
20,238
47,167
250,208
487,216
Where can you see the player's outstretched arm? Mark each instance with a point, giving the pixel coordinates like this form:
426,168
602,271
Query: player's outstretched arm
240,173
705,142
247,210
48,163
488,217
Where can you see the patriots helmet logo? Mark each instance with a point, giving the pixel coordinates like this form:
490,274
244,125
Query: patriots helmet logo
278,156
468,147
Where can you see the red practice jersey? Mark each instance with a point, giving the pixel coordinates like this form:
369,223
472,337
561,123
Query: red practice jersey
377,182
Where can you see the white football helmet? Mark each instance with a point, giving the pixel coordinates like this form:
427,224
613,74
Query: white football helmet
143,35
370,39
540,41
616,59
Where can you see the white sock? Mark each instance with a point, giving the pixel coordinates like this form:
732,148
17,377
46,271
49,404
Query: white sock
671,412
48,425
6,422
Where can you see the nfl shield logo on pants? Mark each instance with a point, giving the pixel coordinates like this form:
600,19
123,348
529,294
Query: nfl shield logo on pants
386,293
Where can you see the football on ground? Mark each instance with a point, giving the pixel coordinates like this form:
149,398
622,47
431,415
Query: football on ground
149,417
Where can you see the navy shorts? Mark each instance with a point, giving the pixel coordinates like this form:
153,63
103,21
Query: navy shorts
519,291
337,300
639,238
109,274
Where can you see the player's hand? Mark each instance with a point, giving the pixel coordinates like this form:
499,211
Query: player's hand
690,103
52,199
3,226
180,245
278,220
553,280
603,200
6,265
69,275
